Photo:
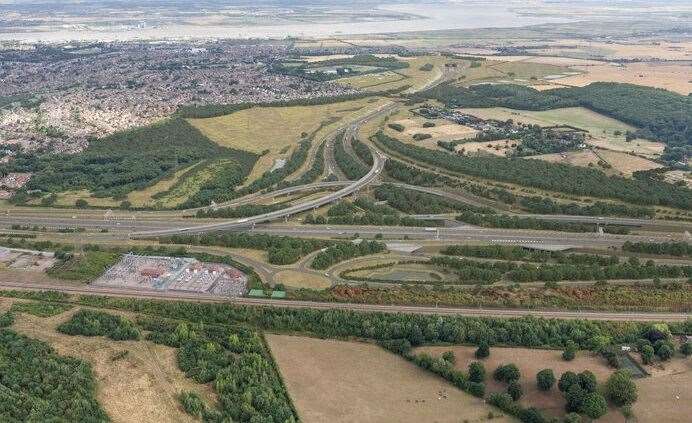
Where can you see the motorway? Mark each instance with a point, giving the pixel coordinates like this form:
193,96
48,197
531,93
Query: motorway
446,311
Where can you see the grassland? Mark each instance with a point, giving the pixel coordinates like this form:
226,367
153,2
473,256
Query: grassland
619,163
339,381
412,76
296,279
278,129
512,71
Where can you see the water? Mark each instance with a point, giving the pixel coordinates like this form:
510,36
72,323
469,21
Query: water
459,14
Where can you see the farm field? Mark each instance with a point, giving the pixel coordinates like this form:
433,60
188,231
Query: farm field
530,362
142,386
278,129
622,163
512,71
443,130
339,381
599,126
672,77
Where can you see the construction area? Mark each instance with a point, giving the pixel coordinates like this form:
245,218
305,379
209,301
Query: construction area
179,274
30,260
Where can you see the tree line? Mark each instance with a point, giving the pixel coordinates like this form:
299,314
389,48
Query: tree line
352,168
280,249
516,222
544,205
679,249
343,251
98,323
417,202
550,176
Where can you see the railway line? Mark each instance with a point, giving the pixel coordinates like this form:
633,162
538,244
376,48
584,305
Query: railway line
369,308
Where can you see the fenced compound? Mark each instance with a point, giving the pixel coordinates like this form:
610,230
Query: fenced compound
174,274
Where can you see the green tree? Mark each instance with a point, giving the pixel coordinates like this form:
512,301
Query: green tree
575,398
686,349
664,352
476,372
449,357
647,353
620,389
587,381
507,373
545,379
567,380
594,405
570,352
483,350
514,390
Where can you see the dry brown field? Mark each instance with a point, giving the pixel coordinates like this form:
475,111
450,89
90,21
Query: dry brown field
625,163
338,381
675,77
497,148
666,395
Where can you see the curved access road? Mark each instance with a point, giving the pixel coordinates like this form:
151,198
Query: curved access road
378,165
369,308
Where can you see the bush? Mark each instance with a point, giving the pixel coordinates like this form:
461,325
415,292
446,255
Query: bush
647,353
483,350
449,357
476,372
620,389
686,349
506,373
477,389
587,381
664,352
567,380
514,390
545,379
569,353
6,319
594,405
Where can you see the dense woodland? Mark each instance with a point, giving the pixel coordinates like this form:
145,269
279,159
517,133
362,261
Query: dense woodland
38,385
362,151
550,176
524,331
112,167
353,168
311,175
343,251
98,323
416,202
414,176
